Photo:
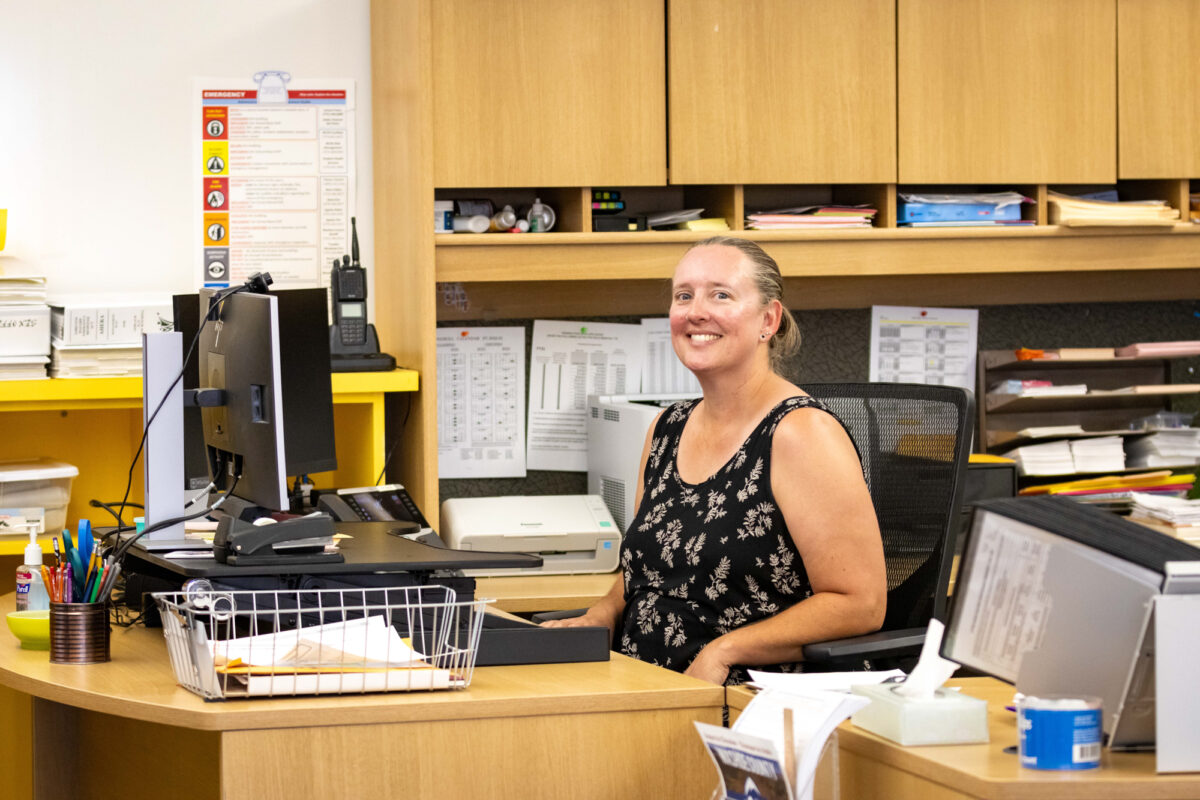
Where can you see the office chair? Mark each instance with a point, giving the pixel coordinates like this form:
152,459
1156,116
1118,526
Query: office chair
914,442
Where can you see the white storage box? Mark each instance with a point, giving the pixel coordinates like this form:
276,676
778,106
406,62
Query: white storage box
37,484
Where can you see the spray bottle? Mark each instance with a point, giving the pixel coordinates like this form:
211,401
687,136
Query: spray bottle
31,589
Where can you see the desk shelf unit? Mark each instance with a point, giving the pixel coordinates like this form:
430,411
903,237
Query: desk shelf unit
1105,412
96,424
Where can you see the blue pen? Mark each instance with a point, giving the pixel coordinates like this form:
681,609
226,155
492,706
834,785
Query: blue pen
86,542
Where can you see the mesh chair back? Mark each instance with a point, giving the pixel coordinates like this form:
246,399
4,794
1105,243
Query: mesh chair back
914,442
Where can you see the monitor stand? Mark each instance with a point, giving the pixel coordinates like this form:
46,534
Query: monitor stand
162,459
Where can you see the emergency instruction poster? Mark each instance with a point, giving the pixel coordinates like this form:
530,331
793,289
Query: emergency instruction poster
275,178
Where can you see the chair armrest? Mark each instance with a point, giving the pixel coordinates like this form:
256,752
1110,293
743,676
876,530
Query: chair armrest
546,616
883,644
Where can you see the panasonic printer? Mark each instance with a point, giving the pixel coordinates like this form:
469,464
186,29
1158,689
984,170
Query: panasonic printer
572,533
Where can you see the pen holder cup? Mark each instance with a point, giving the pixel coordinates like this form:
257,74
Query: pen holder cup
79,633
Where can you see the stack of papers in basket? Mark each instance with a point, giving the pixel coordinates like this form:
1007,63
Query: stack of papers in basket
360,655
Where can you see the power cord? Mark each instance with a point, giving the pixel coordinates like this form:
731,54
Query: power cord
258,282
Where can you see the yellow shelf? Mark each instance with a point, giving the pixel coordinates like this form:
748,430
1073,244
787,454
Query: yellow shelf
127,392
15,545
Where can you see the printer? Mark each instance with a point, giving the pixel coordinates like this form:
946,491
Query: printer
572,533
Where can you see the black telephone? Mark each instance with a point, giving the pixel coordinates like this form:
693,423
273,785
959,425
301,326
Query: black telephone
388,503
353,343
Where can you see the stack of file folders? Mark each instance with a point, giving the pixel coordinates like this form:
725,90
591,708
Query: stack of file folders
962,210
1105,208
811,217
1164,449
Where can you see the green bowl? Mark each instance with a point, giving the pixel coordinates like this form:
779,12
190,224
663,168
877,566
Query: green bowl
31,627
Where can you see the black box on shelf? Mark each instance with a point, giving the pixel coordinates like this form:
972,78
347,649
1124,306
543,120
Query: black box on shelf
628,222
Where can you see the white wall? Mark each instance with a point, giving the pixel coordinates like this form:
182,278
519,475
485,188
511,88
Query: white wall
96,124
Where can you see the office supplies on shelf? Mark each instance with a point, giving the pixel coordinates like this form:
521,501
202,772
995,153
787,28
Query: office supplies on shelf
619,222
541,217
960,209
571,533
816,217
1085,353
704,224
659,219
107,318
353,342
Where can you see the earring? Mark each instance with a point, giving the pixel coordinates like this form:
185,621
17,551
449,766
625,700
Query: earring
762,336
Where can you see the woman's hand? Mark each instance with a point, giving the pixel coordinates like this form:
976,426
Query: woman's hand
709,666
592,618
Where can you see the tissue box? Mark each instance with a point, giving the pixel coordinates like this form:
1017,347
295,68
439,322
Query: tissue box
946,718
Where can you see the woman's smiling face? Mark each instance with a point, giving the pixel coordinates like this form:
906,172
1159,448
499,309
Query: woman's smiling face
718,317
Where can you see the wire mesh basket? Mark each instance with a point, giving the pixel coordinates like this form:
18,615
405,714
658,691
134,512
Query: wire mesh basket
226,644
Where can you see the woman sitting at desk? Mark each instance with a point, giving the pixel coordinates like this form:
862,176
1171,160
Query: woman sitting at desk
755,532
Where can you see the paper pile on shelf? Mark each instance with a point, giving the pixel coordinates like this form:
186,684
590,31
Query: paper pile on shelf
1038,388
24,327
1164,449
1160,349
962,209
1171,510
1051,458
1105,209
1102,454
811,217
100,335
95,361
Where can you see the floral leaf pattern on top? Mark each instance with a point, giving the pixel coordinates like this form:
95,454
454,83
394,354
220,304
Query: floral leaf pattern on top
700,560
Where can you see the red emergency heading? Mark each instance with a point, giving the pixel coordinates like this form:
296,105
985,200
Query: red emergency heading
231,94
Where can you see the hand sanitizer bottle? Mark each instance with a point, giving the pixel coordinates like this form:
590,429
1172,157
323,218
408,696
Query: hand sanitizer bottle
31,589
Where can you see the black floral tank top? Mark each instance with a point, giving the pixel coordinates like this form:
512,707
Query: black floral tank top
700,560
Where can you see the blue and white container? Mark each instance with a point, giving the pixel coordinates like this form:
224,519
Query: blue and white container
1059,732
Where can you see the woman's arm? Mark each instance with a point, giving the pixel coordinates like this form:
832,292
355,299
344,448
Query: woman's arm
818,484
607,610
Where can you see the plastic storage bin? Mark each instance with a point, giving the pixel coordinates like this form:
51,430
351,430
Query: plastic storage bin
38,484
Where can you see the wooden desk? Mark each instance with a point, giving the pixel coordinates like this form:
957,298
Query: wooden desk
873,767
125,729
520,594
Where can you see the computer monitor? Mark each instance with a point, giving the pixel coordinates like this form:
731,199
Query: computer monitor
239,354
307,391
1055,597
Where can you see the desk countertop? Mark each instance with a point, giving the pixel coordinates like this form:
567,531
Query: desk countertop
138,684
985,770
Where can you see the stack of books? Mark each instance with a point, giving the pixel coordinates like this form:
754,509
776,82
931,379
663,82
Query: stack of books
1164,449
1160,349
24,328
1105,208
962,210
101,336
811,217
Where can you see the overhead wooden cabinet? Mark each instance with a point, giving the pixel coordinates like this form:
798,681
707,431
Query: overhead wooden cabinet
1158,88
546,93
1007,91
775,91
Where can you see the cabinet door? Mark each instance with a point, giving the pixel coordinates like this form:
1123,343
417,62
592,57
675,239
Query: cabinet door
778,91
1158,88
1004,91
547,93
